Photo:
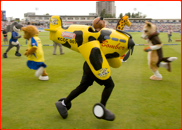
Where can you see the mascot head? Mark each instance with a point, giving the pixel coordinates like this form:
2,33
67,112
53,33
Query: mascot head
148,29
14,27
30,31
98,23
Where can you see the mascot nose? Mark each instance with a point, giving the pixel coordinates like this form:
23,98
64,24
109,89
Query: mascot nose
131,45
18,26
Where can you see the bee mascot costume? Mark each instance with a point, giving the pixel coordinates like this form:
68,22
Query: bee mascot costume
35,52
100,49
14,28
155,54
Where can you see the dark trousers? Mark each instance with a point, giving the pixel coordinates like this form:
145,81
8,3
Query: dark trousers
11,46
87,80
169,38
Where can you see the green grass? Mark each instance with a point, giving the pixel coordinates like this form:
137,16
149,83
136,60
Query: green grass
136,101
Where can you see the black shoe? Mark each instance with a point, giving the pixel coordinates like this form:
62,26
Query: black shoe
61,109
61,53
5,55
17,54
108,115
68,106
101,113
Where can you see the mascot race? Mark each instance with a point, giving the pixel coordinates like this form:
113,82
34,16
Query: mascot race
101,49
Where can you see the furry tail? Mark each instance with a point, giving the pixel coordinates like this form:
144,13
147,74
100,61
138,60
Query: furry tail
169,59
166,64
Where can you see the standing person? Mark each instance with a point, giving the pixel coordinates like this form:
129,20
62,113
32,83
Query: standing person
5,36
169,35
14,28
60,48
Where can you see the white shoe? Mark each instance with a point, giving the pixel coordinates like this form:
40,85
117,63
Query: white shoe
39,72
43,77
153,77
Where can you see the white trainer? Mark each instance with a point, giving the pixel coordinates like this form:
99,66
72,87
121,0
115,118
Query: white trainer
43,77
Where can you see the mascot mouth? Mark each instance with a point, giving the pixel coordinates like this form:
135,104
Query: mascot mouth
144,36
17,27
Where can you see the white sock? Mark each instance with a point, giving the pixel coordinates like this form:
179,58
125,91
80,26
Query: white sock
163,64
172,58
63,103
157,74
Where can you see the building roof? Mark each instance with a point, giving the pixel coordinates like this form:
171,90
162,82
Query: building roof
63,15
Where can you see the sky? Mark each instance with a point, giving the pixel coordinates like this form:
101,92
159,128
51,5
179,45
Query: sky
152,9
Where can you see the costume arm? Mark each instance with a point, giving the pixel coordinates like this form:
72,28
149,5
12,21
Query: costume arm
96,59
30,51
33,48
151,48
15,36
156,45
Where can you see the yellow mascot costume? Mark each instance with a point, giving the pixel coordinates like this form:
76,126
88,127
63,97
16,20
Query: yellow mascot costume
100,49
35,52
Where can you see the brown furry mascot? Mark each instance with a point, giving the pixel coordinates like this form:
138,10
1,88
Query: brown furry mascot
35,52
98,23
155,55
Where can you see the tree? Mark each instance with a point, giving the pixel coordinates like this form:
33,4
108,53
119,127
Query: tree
121,15
102,14
47,13
128,14
136,15
133,15
144,16
114,16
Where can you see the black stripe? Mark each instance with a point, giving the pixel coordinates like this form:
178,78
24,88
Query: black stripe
112,55
79,37
103,35
96,58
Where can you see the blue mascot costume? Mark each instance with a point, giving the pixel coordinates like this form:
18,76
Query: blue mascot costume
14,28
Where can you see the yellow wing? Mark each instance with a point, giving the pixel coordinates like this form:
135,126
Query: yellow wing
115,62
96,59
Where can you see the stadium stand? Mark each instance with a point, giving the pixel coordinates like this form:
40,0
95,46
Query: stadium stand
135,26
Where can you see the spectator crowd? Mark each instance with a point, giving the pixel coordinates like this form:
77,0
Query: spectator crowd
135,26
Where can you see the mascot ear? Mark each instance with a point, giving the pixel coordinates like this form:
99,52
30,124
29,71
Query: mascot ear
148,23
14,27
